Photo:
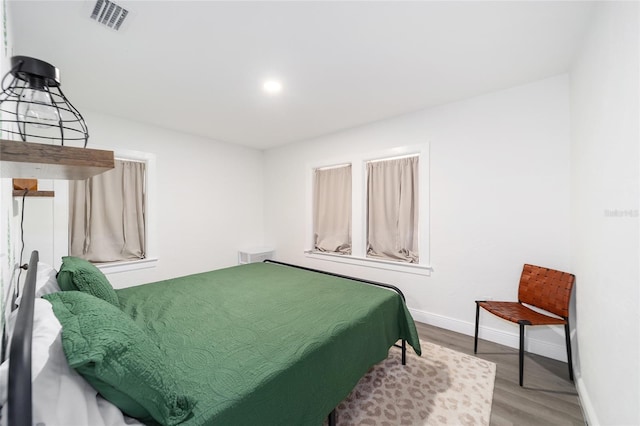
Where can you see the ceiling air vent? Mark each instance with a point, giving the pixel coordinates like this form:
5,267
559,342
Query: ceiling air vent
109,14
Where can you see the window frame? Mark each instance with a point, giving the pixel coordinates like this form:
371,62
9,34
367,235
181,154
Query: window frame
358,256
151,243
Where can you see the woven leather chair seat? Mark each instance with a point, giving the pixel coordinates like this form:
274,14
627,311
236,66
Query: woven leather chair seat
515,312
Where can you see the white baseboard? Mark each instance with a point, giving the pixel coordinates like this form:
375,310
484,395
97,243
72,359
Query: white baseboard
588,411
512,340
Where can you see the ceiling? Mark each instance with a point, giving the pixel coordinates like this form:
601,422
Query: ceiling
198,67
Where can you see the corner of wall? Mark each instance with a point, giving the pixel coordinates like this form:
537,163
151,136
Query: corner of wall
605,234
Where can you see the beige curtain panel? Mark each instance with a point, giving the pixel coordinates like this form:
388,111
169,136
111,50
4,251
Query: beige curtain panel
107,214
392,209
332,210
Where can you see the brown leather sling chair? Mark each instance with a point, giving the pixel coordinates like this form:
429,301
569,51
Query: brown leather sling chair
543,288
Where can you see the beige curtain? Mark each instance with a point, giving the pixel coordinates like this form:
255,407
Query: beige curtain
332,210
107,214
392,209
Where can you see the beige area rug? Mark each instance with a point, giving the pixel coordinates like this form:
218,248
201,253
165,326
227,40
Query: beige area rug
442,387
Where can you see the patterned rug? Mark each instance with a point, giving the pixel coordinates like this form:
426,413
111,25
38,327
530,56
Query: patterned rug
442,387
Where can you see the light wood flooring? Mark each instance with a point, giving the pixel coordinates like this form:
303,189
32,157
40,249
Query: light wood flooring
548,397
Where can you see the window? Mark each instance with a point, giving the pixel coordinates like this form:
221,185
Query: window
107,220
386,195
332,212
392,209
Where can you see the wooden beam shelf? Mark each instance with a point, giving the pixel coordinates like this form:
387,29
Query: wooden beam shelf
20,193
40,161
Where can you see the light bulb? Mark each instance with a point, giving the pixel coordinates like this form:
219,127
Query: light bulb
36,106
272,87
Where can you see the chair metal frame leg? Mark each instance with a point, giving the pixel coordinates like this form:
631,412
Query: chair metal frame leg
522,323
567,334
475,341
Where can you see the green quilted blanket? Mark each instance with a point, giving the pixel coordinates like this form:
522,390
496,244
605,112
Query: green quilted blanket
265,344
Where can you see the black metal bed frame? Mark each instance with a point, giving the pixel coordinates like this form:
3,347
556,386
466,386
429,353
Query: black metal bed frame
331,419
19,402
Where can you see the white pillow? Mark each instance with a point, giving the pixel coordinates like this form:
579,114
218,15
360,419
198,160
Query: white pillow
46,329
46,281
61,397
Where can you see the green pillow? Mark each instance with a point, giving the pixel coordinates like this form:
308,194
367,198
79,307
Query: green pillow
79,274
119,359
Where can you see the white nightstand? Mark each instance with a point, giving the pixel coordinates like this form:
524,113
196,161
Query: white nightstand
255,254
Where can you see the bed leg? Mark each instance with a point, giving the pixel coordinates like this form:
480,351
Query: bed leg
332,418
404,352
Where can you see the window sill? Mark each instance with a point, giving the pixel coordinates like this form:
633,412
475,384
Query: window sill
409,268
126,266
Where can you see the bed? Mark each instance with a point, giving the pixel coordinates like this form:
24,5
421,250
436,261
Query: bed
262,343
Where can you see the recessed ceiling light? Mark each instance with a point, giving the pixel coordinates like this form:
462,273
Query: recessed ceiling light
272,86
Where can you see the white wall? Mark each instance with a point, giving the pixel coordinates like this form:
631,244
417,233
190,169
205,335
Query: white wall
7,252
499,198
604,215
209,200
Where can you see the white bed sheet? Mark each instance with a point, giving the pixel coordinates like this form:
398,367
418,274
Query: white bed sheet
61,397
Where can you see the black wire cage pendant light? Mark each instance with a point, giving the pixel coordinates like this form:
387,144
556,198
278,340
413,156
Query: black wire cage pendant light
33,102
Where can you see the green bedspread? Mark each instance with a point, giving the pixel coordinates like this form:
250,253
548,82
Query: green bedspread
265,344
